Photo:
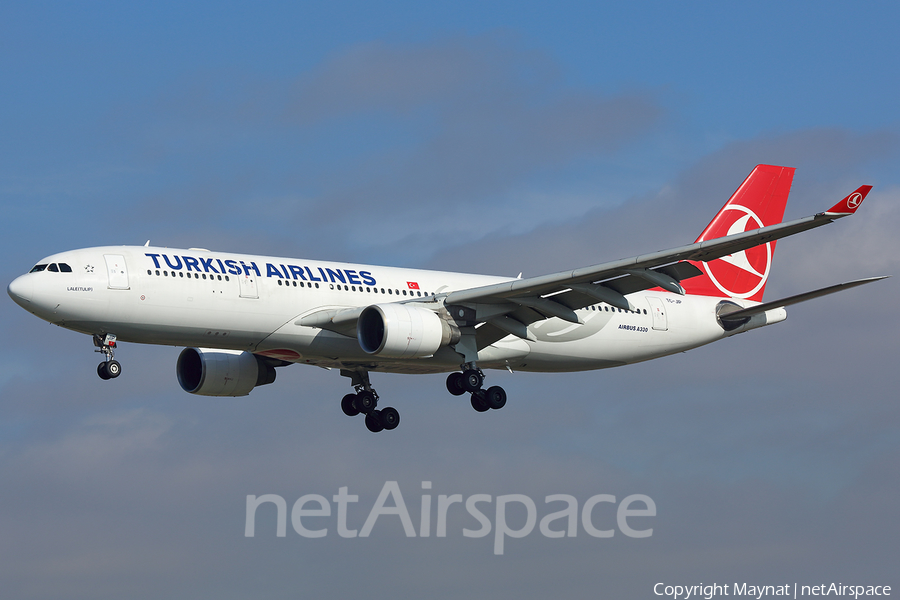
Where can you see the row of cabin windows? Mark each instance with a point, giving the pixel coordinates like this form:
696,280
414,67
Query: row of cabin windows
285,283
353,288
52,267
350,288
309,284
181,274
607,308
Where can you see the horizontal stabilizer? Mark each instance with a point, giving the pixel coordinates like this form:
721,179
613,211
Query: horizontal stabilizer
761,308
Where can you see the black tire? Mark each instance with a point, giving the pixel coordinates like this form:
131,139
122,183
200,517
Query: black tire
373,421
455,384
366,402
390,417
348,405
479,402
102,372
114,369
472,380
495,397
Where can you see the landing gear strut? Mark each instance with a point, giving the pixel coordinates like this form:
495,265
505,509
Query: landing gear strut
471,380
106,345
365,400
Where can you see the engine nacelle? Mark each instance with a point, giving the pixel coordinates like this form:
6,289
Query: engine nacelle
221,372
401,331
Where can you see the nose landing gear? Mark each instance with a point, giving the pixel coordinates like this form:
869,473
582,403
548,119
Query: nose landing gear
106,345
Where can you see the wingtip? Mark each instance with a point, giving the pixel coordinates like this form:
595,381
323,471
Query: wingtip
851,202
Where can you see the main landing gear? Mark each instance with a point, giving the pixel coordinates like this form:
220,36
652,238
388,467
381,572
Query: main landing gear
365,400
106,345
471,380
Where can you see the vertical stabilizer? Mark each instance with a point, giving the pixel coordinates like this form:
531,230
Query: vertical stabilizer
758,202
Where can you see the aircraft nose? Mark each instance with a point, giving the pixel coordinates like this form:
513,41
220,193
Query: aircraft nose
21,289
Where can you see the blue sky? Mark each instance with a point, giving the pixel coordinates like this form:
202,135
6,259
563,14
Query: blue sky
487,137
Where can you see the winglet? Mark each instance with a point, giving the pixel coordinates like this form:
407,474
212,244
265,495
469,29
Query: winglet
848,205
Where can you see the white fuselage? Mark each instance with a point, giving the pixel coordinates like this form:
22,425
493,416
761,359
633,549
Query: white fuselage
241,302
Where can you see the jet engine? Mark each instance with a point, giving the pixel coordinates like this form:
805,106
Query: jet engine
401,331
221,372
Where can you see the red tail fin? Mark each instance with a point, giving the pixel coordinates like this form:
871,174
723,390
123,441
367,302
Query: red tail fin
758,202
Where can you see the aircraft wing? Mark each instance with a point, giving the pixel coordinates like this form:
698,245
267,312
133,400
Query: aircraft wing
510,306
654,269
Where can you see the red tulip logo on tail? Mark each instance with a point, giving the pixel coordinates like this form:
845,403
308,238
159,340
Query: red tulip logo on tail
744,273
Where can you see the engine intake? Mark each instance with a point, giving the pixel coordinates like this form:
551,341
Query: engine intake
400,331
221,372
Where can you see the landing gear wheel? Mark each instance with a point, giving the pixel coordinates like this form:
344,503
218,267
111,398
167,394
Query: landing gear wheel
472,380
102,372
348,405
113,368
479,402
373,421
366,402
455,384
390,417
495,397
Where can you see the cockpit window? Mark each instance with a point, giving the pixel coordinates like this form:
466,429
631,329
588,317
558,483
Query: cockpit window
38,268
53,268
63,267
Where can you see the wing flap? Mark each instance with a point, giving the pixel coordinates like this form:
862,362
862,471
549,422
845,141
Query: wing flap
488,334
631,283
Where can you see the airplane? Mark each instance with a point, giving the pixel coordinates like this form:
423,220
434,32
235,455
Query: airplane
240,317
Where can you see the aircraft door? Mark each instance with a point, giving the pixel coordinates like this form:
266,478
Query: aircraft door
117,271
248,286
658,310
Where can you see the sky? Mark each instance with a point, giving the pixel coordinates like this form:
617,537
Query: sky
488,137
